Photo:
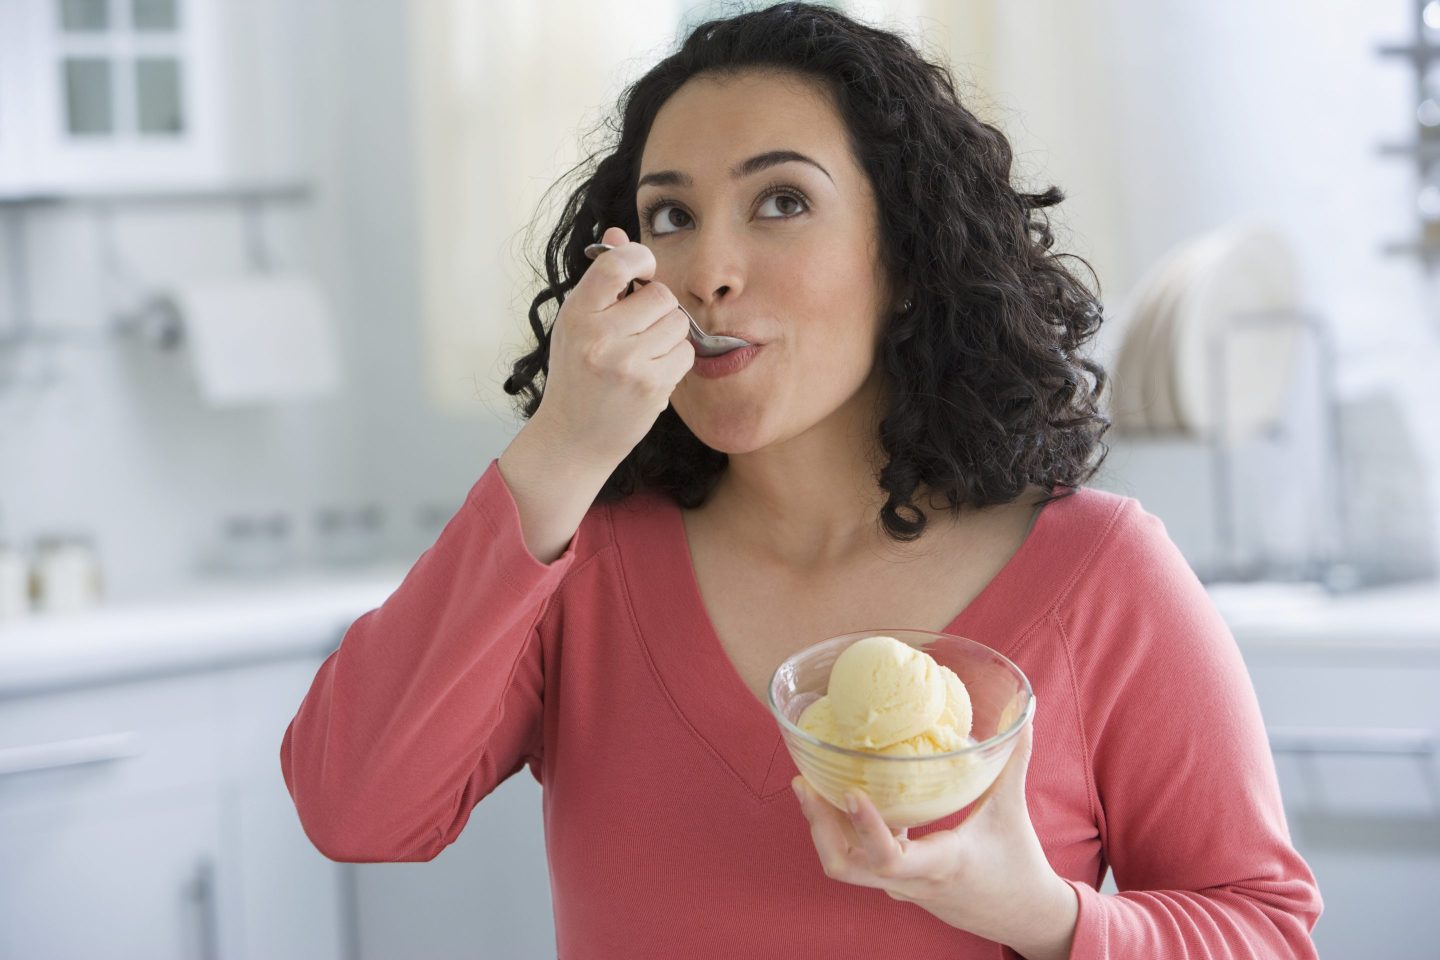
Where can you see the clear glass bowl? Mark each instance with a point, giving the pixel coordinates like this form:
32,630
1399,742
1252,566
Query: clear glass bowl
908,791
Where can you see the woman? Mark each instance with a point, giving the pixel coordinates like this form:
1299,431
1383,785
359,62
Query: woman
906,447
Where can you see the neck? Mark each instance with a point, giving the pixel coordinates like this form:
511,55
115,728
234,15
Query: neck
812,503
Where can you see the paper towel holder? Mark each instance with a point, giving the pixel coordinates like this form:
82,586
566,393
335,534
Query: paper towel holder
146,316
155,319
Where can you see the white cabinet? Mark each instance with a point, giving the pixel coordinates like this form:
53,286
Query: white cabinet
291,900
1354,735
142,94
133,879
484,897
149,819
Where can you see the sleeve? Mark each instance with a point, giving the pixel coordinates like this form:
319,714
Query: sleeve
1192,821
432,699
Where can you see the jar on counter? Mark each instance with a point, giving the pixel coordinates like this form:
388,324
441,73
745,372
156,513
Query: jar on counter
14,583
258,544
66,576
349,536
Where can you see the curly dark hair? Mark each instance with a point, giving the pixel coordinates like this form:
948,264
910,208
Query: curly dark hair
985,387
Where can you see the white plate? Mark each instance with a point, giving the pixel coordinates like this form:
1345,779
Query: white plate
1188,262
1158,376
1239,271
1133,391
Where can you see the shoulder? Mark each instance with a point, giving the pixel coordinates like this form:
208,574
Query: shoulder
1108,529
1135,591
1118,554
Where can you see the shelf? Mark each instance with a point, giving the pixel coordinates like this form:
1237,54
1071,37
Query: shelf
1410,247
1424,149
120,196
1412,51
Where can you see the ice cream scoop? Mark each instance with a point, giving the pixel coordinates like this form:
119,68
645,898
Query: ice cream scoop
890,698
883,691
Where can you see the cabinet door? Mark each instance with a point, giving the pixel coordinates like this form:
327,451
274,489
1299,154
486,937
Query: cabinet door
138,879
1354,740
17,109
290,902
485,897
123,93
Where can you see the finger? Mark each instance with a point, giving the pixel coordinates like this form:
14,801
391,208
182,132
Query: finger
606,281
680,360
929,859
882,849
834,838
660,337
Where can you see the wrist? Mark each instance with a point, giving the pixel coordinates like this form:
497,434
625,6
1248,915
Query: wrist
1049,931
563,449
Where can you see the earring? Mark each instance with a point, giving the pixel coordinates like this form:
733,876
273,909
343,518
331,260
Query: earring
905,307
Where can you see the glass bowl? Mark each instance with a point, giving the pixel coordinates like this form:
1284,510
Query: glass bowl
908,791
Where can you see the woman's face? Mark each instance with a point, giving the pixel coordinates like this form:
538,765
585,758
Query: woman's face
784,254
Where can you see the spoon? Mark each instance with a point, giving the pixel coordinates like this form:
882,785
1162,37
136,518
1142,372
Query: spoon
705,344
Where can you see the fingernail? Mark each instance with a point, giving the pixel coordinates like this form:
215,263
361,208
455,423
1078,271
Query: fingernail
851,803
799,791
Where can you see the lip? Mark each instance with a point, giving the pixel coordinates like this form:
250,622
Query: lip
712,368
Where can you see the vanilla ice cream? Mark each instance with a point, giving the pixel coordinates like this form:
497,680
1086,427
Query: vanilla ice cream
888,697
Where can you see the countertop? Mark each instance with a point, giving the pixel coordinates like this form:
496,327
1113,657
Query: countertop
221,624
1400,621
214,624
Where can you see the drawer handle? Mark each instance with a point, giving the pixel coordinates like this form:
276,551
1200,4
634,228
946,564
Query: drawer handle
200,889
102,748
1309,741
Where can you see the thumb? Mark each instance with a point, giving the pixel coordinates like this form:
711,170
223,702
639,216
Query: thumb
1009,787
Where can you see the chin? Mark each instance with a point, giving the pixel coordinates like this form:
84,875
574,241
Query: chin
730,442
730,435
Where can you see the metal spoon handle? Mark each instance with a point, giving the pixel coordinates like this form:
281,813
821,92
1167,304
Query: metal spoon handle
706,345
595,249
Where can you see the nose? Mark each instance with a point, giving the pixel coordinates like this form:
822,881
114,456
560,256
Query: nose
714,268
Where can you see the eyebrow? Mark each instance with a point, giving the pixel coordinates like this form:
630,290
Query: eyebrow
746,168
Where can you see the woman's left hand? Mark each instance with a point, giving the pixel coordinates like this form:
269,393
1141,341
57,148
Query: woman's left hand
987,875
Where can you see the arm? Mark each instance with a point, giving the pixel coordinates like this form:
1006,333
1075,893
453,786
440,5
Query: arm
434,698
1190,810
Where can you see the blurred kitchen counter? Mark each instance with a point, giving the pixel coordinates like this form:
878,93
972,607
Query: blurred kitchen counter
1397,623
228,623
216,624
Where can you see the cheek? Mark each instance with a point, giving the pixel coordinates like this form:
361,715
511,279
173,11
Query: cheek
829,365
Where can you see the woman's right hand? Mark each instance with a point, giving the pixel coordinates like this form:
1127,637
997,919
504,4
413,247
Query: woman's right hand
614,358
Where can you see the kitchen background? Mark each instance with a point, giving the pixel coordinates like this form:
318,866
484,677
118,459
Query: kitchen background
262,268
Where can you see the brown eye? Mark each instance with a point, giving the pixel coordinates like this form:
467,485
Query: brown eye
788,204
668,215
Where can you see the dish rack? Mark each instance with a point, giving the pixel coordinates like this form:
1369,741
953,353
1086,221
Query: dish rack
1329,564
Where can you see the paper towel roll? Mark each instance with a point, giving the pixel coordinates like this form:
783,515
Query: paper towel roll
259,340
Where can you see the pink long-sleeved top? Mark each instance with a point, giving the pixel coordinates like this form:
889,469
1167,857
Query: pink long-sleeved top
670,826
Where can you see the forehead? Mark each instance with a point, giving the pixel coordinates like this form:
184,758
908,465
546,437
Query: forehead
712,122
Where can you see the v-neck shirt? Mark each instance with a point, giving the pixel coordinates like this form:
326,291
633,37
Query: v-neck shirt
670,826
707,687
